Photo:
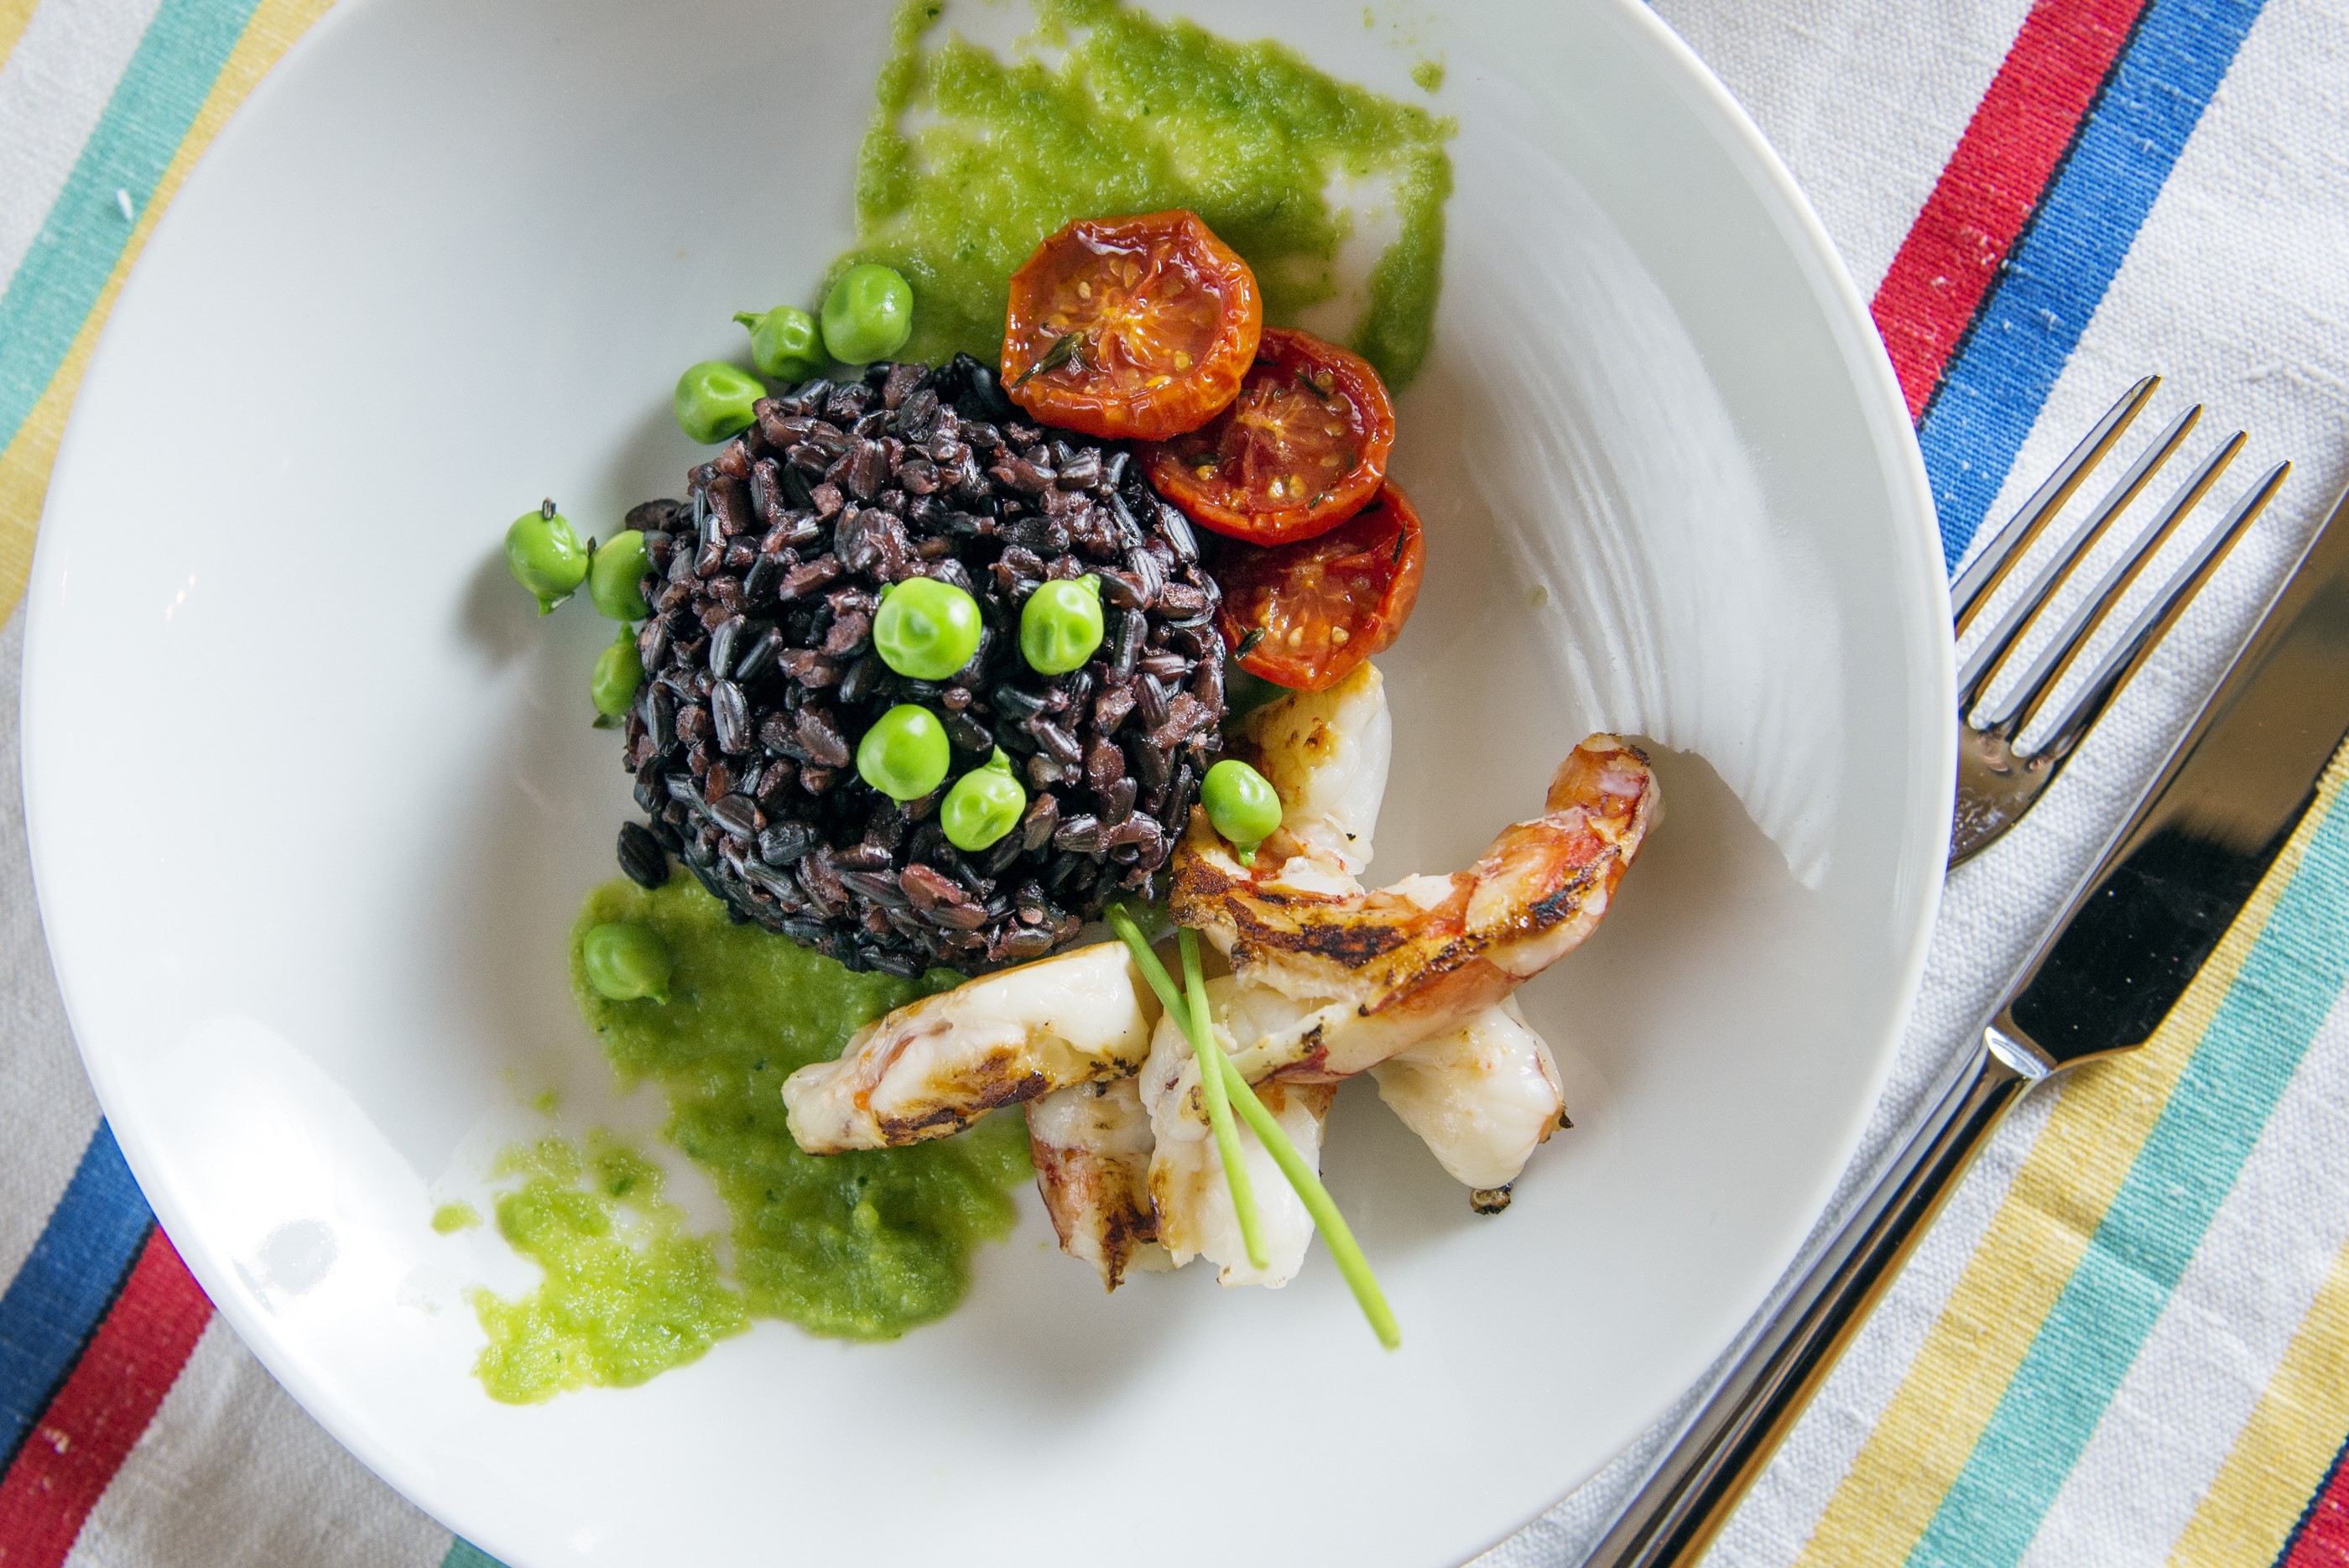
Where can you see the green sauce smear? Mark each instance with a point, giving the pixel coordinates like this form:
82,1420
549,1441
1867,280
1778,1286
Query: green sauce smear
629,1291
863,1245
451,1217
972,159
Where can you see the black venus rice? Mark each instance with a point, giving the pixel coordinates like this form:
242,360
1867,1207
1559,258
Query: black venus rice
761,677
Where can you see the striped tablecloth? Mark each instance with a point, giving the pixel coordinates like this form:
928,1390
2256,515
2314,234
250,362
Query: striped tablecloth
2128,1340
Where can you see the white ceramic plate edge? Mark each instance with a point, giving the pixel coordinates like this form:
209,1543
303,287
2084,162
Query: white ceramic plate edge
1920,555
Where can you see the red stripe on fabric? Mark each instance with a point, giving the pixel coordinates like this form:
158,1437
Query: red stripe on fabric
1993,181
101,1409
2322,1539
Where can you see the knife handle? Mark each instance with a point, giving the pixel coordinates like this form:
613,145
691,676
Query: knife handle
1688,1495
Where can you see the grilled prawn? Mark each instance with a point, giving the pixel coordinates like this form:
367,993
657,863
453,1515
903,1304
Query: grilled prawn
1384,971
1482,1098
1325,754
1187,1189
1091,1145
936,1066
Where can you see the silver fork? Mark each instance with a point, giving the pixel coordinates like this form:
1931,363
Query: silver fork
1997,784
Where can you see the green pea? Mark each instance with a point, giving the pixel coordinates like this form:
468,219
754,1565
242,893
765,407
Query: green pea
783,343
618,674
1061,624
616,574
545,557
1241,805
868,315
625,961
713,400
905,753
984,804
926,629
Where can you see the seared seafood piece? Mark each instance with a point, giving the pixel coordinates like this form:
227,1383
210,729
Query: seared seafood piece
1187,1190
1482,1098
1384,971
1327,754
936,1066
1091,1143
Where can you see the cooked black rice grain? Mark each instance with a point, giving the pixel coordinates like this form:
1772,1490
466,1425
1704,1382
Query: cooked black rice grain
642,856
764,584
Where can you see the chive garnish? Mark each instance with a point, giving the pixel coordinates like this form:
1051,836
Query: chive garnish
1248,644
1210,1052
1232,1091
1344,1249
1192,1021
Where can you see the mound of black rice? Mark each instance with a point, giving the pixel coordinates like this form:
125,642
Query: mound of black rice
762,674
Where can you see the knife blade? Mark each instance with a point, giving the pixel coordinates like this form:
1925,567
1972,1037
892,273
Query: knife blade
2207,828
2135,931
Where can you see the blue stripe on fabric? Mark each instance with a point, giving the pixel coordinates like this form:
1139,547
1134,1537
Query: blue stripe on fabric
2294,976
1991,393
69,1279
57,283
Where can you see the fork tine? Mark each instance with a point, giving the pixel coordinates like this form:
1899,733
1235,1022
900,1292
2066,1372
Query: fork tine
1990,563
2047,670
2152,621
1974,675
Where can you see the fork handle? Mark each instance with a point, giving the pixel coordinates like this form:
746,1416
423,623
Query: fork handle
1688,1494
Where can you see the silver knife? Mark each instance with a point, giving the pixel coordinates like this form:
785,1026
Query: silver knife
2131,940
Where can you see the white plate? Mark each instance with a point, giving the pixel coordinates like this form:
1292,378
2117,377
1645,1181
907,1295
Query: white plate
313,801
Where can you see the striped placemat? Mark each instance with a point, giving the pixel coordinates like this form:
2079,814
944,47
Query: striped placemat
2128,1340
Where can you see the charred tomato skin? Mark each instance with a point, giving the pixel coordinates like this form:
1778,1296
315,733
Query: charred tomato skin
1303,613
1302,448
1156,322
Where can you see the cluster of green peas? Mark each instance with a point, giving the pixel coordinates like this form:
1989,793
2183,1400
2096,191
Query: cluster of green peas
867,315
544,554
927,630
623,961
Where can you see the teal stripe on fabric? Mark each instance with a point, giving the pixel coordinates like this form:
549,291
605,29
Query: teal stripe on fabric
2290,981
57,285
463,1554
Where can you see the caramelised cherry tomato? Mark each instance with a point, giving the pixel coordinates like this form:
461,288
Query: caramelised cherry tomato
1295,454
1301,615
1131,327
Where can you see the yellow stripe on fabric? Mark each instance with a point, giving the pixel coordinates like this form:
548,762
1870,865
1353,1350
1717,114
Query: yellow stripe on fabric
2035,1241
2280,1457
15,15
24,465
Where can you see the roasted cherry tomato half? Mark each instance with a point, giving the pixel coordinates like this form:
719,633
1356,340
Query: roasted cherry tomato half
1131,327
1301,615
1295,454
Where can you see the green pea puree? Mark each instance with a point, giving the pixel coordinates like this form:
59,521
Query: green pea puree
863,1245
972,159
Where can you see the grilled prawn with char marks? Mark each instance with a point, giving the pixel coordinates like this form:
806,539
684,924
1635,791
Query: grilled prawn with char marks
936,1066
1389,969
